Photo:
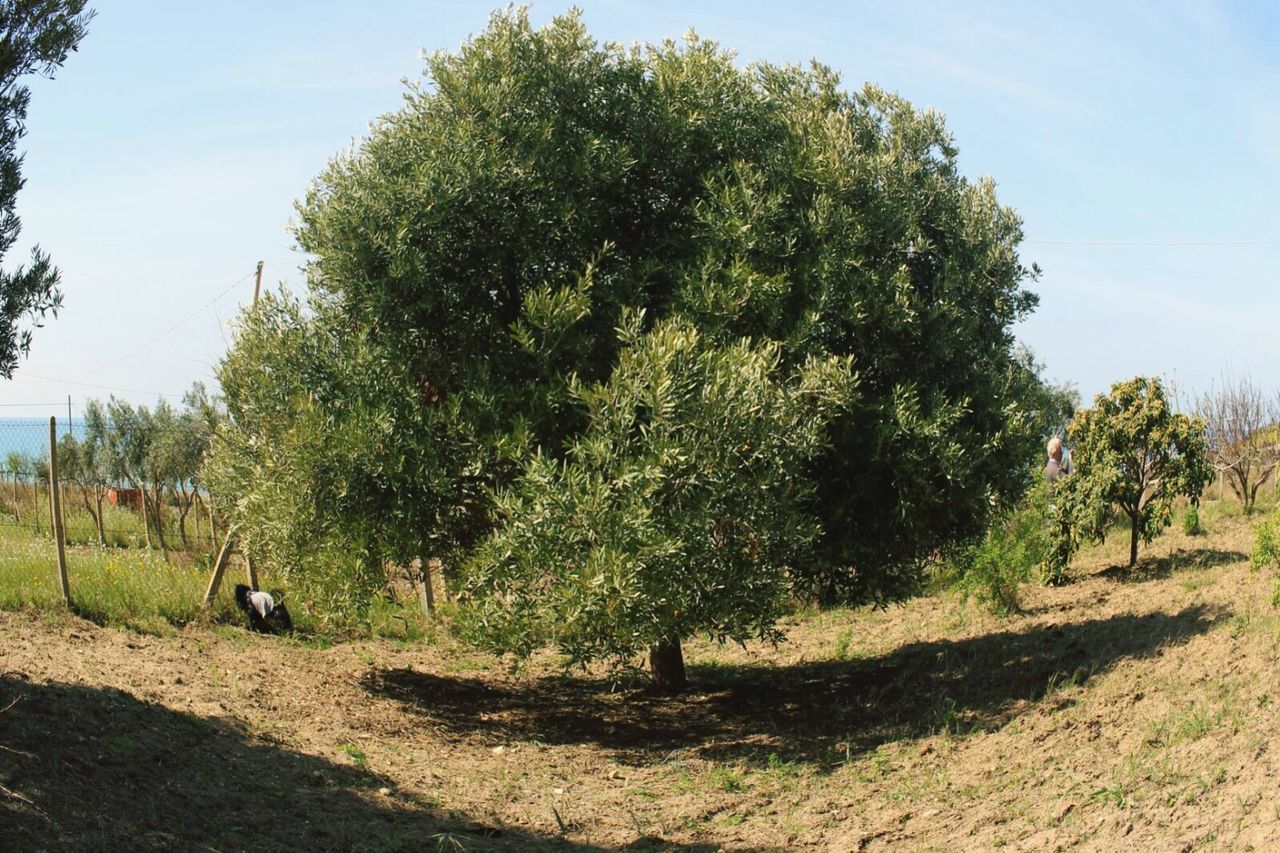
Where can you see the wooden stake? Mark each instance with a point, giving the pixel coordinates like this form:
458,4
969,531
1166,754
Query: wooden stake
55,510
257,284
423,579
219,567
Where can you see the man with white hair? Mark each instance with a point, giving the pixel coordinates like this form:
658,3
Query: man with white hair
1058,466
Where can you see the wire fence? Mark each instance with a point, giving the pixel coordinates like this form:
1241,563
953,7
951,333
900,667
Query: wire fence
98,511
24,478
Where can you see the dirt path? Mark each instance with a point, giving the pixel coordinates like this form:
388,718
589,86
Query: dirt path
1124,711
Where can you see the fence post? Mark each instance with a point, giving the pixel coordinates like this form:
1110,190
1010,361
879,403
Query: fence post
422,579
55,510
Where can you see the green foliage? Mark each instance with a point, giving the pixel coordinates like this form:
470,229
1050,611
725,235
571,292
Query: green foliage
1266,551
1014,551
159,452
443,392
302,465
133,589
1191,521
1132,455
37,36
1266,548
677,510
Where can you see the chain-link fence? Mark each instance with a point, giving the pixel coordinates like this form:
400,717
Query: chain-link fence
145,537
24,478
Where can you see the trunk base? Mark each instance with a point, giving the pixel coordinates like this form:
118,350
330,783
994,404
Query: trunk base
666,665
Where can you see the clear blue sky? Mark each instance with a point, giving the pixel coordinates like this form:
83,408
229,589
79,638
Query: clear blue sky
1139,142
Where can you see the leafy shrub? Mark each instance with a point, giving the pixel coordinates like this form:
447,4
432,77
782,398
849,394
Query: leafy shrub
1132,456
1014,550
1191,521
1266,551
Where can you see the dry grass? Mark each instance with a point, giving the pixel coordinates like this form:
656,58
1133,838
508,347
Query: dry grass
1128,710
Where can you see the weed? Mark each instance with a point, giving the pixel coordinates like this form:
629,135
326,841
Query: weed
1114,795
784,768
448,841
357,756
843,641
727,779
1191,521
1195,723
1062,680
1016,546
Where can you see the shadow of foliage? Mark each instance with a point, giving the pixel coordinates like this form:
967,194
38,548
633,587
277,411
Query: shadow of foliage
1151,568
98,769
816,713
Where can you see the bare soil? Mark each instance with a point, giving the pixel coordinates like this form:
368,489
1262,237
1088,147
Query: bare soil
1128,710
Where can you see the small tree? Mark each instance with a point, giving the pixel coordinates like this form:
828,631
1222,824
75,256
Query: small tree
129,438
1240,421
677,511
1133,453
13,466
80,463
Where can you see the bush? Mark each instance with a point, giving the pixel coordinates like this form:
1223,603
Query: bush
1191,521
1014,550
1266,551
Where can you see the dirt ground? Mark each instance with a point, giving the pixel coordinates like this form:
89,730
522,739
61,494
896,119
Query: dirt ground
1129,710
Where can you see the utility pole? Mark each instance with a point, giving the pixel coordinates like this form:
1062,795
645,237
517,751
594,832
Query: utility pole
257,283
70,430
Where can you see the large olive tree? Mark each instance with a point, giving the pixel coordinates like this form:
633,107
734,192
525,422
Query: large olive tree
475,259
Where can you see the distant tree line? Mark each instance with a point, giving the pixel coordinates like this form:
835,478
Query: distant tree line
157,452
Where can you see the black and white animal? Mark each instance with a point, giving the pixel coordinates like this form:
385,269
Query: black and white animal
264,612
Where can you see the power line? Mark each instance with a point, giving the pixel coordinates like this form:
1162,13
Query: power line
131,353
101,387
1171,243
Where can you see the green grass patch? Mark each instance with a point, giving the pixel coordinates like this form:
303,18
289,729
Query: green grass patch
131,588
137,588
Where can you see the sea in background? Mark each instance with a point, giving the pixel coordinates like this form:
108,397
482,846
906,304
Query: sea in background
30,436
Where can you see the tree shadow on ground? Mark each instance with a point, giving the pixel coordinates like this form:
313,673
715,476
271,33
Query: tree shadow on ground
99,769
1151,568
816,713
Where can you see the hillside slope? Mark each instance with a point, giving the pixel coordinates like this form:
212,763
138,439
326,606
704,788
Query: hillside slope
1127,710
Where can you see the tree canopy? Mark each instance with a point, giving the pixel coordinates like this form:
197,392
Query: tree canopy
1132,454
574,302
36,36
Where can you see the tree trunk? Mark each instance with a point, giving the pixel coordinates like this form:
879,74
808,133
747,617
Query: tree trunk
157,500
145,506
666,665
1133,543
184,507
99,496
97,522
